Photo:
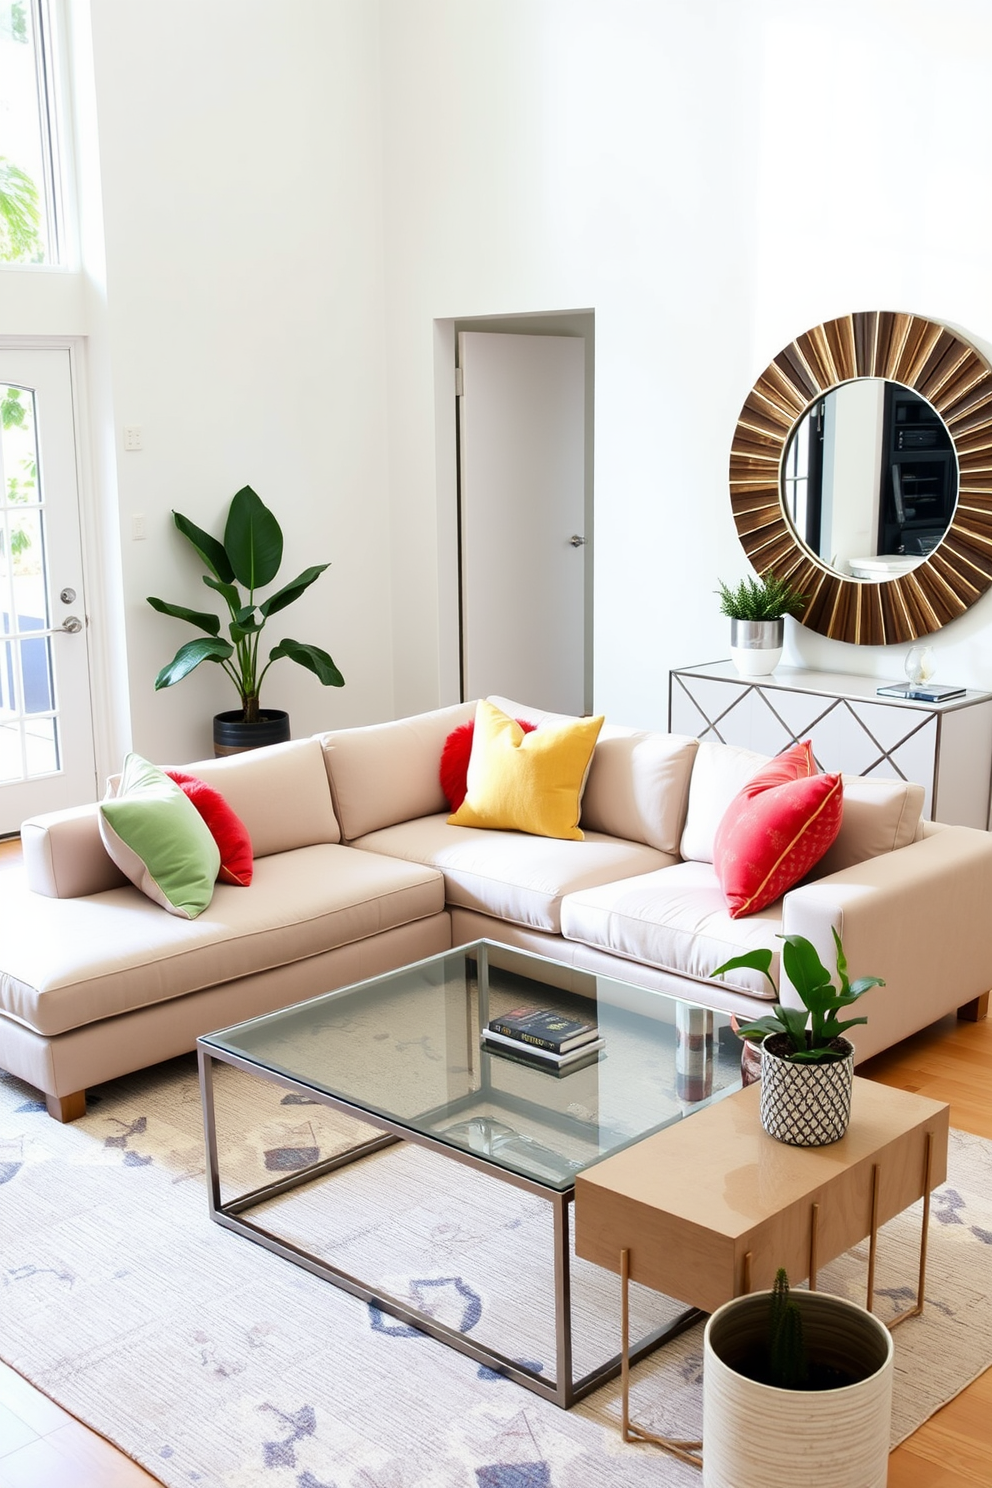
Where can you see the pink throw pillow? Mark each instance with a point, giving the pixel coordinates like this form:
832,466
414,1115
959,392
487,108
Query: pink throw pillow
775,829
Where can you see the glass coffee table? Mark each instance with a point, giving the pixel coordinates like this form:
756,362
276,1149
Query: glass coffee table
402,1054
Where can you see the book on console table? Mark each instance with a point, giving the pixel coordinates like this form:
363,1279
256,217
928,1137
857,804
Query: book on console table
924,692
540,1028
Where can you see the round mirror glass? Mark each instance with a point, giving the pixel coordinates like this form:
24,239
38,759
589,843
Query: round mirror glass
869,479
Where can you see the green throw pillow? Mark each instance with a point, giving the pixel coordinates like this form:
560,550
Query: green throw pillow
158,839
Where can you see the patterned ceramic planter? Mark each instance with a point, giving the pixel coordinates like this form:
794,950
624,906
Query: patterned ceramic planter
758,1436
756,646
806,1105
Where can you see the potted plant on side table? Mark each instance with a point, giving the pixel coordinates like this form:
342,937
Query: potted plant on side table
807,1073
250,555
756,608
796,1389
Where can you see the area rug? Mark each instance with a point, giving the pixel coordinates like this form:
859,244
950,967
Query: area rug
212,1361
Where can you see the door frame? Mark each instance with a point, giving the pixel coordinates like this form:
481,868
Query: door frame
551,323
99,537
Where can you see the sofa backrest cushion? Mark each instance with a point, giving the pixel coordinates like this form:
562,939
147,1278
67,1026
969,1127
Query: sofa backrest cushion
387,773
880,816
719,772
280,793
638,782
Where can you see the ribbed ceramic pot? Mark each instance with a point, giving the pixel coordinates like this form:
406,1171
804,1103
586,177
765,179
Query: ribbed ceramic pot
806,1105
758,1436
233,736
756,646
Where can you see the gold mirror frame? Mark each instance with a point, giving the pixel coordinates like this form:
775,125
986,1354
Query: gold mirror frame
957,380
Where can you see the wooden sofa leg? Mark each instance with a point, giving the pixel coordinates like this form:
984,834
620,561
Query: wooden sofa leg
67,1107
975,1010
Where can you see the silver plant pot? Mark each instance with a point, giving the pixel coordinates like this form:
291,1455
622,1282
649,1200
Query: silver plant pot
756,645
806,1105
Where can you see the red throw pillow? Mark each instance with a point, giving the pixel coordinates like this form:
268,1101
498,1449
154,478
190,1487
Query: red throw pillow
775,829
455,757
228,830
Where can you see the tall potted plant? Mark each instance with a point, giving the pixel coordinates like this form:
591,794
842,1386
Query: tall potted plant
756,608
807,1073
250,556
816,1372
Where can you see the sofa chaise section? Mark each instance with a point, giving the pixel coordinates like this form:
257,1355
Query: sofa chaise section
96,984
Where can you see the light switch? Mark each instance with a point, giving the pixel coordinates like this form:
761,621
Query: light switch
132,436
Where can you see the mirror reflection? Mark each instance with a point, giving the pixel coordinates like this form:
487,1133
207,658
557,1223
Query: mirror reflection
869,479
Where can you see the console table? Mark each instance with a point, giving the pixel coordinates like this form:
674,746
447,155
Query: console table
945,747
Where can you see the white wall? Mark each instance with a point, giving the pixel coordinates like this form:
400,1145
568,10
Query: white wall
239,160
294,196
661,161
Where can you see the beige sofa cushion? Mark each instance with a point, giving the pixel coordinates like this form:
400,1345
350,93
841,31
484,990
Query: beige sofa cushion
719,771
389,772
68,962
512,875
675,919
280,793
638,782
64,855
880,816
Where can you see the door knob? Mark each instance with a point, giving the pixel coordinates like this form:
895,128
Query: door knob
576,540
72,624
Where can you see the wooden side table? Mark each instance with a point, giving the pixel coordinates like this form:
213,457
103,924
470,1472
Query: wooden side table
710,1208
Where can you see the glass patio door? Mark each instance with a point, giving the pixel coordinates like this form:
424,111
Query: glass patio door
46,733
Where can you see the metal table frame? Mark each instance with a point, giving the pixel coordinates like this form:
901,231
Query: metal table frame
565,1390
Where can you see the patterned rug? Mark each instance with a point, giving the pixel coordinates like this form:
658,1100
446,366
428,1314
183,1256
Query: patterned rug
211,1361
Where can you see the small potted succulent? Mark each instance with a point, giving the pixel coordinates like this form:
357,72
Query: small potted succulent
807,1072
756,609
816,1371
249,555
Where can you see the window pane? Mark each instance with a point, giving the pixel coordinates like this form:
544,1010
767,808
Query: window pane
28,176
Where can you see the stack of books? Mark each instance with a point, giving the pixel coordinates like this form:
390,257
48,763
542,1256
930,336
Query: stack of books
544,1040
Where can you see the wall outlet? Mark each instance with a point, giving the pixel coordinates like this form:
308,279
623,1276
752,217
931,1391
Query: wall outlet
132,437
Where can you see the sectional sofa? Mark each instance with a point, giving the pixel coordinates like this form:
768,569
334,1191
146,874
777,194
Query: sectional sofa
357,871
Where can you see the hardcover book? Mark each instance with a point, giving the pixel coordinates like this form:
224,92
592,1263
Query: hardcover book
543,1029
551,1064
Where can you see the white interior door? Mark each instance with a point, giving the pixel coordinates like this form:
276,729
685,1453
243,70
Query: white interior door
46,732
522,515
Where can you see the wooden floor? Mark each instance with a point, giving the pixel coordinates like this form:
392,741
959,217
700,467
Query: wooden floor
43,1447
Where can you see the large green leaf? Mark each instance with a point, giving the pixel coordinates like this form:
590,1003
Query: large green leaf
806,972
287,595
752,961
189,656
312,658
761,1027
199,618
795,1024
230,593
210,550
252,540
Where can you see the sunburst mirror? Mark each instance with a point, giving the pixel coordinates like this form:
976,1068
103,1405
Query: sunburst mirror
861,472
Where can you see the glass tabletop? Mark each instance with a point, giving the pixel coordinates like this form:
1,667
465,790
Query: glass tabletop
409,1047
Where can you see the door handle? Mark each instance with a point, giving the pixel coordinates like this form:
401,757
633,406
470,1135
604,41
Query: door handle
576,541
71,625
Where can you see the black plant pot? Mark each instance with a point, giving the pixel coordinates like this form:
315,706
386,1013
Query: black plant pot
233,736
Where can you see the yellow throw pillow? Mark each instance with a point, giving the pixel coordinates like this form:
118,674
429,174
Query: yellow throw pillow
527,782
